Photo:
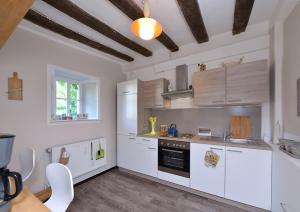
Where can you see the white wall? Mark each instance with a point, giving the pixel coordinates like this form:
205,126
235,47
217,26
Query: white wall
290,74
164,56
29,54
251,50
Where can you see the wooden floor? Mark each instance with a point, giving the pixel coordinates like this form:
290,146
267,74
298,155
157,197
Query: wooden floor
117,191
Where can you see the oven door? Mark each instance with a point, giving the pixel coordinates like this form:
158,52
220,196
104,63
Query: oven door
174,161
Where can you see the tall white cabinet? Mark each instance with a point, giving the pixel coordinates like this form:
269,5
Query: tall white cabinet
127,122
133,153
127,109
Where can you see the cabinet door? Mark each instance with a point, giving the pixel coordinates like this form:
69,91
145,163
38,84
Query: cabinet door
148,156
285,183
248,176
127,87
248,83
152,93
207,179
126,152
209,87
127,114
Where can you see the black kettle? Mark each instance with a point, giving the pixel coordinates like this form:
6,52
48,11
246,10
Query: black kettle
9,180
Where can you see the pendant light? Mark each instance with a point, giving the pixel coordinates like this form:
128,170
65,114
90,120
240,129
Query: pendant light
146,28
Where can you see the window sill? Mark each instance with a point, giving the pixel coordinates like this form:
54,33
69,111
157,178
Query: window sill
76,121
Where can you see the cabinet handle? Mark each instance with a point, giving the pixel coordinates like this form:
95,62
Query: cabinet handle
131,133
170,150
218,101
152,148
132,138
92,152
236,151
213,148
234,100
125,92
145,139
283,206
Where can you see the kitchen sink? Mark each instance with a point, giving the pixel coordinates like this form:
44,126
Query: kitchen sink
242,141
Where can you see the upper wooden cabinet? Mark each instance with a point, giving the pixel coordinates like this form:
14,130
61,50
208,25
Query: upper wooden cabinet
248,83
152,93
209,87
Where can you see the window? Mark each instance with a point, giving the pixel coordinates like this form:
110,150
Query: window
67,98
72,95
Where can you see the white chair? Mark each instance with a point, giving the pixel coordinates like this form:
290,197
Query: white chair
27,162
61,182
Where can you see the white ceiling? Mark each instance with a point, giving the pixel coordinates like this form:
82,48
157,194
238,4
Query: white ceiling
217,16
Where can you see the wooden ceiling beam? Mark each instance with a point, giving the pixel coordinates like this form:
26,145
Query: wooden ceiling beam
242,14
85,18
192,14
46,23
11,13
133,11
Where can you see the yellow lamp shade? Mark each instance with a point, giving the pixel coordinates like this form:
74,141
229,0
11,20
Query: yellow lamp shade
146,28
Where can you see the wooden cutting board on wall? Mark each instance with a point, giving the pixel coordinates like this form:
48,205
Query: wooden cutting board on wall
240,127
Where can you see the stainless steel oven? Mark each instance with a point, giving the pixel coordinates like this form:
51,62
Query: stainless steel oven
174,157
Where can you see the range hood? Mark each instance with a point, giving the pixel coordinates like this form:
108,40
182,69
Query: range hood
182,86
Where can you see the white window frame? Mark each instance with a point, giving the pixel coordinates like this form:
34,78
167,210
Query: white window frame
51,94
69,82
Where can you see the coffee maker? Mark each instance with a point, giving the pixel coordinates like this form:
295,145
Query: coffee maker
10,182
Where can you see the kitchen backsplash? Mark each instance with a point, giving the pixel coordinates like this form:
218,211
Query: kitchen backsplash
217,119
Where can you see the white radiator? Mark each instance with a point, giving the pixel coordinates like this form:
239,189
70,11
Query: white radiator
84,156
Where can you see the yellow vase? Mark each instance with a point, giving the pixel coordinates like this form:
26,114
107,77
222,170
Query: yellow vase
152,121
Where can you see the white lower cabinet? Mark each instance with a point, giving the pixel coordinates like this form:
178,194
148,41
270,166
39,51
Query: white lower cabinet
126,151
147,156
137,154
203,178
242,174
248,176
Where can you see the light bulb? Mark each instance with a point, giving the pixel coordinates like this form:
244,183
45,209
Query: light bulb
147,27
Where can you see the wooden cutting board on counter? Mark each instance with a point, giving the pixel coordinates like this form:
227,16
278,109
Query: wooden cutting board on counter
240,127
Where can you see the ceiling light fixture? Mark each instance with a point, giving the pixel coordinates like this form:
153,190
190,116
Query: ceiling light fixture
146,28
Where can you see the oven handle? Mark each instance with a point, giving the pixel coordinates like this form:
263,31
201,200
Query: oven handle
170,150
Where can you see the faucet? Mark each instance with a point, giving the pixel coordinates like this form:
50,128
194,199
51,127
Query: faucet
227,135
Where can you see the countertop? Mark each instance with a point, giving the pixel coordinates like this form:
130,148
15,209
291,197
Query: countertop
216,141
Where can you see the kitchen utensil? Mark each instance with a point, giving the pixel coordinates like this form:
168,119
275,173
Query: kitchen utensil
172,131
163,130
290,147
240,127
6,146
10,182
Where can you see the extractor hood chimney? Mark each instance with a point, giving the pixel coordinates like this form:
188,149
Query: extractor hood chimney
182,78
182,86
